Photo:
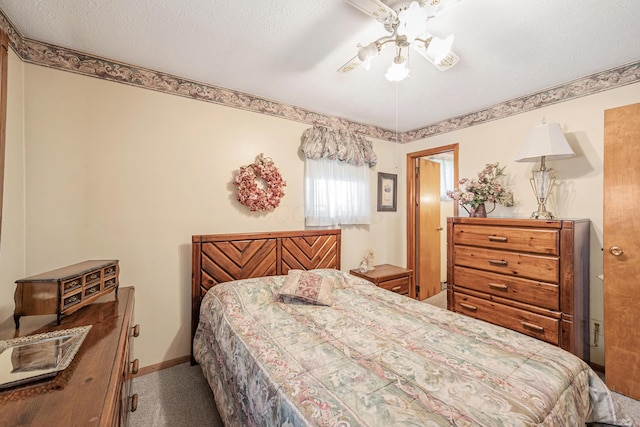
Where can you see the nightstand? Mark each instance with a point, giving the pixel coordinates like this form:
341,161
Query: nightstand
389,277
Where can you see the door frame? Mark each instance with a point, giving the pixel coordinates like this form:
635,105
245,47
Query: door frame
411,202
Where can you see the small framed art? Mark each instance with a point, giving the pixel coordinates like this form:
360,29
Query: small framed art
387,187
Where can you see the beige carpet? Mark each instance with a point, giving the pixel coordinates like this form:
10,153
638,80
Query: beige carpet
180,396
439,300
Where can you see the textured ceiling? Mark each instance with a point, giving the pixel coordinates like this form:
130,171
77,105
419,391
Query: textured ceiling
289,50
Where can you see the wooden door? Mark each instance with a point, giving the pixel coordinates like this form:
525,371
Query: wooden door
622,250
428,229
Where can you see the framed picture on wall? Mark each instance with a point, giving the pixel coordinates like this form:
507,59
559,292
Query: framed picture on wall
387,187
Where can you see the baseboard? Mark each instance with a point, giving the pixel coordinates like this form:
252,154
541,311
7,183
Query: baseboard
596,367
162,365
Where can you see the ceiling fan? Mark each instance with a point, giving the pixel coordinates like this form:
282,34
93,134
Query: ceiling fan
406,21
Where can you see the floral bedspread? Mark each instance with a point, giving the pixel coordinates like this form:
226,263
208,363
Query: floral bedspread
377,358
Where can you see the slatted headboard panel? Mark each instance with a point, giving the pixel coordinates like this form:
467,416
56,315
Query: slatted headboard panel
221,258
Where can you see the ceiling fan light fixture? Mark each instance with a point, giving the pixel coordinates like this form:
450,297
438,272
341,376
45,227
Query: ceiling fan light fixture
413,21
368,52
438,48
398,70
406,22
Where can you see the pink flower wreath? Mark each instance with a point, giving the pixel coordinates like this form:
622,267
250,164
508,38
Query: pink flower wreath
258,199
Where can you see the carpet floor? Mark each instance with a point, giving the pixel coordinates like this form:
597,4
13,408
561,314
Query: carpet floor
180,396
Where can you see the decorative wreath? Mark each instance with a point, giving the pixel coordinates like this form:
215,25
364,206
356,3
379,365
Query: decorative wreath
253,197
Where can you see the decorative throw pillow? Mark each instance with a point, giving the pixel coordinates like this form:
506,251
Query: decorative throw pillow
307,287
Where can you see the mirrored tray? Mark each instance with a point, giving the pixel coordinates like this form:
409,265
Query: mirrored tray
35,357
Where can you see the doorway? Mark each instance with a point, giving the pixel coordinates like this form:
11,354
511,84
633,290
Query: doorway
426,218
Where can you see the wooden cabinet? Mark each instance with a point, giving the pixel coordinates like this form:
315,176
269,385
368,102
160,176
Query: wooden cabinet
528,275
64,290
390,277
95,389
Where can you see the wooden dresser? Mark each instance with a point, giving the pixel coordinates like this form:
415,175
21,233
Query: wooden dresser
528,275
95,389
390,277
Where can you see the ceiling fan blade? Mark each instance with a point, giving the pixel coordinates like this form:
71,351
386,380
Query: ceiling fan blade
442,64
436,8
447,62
350,65
374,8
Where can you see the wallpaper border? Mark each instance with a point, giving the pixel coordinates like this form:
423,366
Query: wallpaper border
60,58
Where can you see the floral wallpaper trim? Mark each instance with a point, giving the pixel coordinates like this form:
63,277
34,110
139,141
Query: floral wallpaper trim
599,82
65,59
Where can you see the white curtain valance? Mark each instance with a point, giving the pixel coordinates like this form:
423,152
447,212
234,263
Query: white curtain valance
320,142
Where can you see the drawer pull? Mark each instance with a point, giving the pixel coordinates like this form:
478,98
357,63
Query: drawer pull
136,330
532,326
497,262
134,368
397,288
468,306
134,402
497,238
499,286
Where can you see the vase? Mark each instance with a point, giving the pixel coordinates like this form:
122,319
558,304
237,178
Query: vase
479,212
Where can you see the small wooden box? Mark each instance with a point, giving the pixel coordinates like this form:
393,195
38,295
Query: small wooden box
66,289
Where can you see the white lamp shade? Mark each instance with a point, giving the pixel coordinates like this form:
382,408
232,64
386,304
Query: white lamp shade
545,140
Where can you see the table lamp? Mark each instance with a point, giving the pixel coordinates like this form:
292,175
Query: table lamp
545,141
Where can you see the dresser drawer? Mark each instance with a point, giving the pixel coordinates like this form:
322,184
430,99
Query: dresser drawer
545,295
91,290
71,300
400,286
92,277
110,270
111,282
71,285
537,267
540,241
535,325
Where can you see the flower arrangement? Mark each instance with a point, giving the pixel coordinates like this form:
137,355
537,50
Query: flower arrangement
486,189
253,197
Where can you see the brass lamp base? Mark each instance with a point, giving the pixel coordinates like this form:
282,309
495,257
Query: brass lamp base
541,215
542,212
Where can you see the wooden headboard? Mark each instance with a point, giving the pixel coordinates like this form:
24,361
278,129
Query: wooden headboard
221,258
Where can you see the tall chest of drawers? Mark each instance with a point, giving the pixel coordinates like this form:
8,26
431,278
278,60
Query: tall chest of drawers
528,275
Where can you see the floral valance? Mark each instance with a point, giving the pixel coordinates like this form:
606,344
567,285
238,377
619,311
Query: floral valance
353,148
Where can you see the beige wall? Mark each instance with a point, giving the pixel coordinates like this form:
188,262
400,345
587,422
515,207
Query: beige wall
579,191
12,248
114,171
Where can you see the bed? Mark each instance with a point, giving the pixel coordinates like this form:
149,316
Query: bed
361,355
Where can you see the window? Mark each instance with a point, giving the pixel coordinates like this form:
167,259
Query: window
446,176
336,193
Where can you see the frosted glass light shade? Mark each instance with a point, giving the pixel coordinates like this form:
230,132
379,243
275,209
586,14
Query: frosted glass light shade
397,72
413,21
439,48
